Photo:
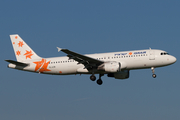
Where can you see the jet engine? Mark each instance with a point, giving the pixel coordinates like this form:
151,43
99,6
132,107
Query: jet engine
110,67
120,75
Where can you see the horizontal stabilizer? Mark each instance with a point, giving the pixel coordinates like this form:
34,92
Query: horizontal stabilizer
17,63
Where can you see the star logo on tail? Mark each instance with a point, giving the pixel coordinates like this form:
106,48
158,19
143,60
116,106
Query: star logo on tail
42,65
28,54
20,44
18,52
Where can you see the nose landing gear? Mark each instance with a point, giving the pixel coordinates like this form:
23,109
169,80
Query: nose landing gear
153,75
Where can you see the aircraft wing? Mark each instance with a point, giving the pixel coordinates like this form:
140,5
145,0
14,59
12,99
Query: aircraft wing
82,59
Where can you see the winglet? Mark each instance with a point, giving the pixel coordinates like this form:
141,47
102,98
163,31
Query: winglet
59,49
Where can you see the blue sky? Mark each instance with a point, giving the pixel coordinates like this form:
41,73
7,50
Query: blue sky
94,26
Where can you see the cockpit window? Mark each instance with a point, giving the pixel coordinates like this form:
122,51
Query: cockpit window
164,53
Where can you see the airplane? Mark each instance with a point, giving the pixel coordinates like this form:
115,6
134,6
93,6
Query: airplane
114,64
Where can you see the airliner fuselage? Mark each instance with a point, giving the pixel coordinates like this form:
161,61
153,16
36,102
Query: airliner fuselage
114,64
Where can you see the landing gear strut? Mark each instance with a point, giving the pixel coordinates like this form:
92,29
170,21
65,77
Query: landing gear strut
153,75
99,81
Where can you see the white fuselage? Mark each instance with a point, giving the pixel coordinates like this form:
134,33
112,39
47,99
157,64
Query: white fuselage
114,64
138,59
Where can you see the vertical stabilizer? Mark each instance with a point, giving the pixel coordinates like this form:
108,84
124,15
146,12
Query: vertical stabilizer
22,51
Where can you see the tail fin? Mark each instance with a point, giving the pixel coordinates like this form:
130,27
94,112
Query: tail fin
22,51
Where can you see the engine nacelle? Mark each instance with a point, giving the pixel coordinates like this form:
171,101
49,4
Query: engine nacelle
110,67
120,75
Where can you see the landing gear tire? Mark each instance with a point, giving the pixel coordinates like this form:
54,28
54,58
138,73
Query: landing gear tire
154,75
99,82
93,78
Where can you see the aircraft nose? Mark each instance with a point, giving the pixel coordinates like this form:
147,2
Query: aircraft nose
173,59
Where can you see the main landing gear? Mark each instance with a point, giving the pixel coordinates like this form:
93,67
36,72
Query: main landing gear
99,81
93,77
153,75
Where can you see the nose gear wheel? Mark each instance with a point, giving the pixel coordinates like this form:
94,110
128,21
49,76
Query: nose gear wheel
153,75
